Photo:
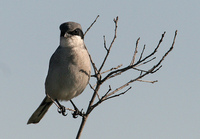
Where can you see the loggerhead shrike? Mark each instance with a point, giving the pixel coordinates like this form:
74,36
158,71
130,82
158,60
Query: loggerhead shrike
69,70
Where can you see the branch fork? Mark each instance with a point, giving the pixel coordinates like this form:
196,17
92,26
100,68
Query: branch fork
119,70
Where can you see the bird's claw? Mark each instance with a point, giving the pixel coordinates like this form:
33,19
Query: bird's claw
62,110
77,112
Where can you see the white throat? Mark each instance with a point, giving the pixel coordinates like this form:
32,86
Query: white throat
72,41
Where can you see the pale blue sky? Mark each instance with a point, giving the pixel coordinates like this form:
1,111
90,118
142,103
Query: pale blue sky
169,109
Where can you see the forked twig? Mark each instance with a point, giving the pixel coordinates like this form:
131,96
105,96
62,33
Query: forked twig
111,44
114,68
93,64
117,95
143,73
113,72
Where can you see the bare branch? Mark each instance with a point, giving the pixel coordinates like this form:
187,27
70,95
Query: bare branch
116,90
157,69
135,52
117,95
91,87
127,84
91,25
113,72
142,53
112,69
93,64
154,69
104,98
94,90
109,95
107,92
104,40
155,50
172,46
145,62
147,81
120,71
108,49
140,70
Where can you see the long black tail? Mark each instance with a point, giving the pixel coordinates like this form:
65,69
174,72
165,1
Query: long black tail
40,111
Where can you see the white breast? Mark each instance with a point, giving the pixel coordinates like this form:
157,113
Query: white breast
69,76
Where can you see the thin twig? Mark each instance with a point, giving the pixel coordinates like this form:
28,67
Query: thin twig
172,46
108,49
91,25
117,95
140,70
106,92
119,71
94,90
147,81
135,52
112,73
112,69
127,84
152,70
145,62
91,87
93,64
116,90
104,41
155,50
142,53
157,69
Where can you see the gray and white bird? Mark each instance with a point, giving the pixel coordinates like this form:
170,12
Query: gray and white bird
69,70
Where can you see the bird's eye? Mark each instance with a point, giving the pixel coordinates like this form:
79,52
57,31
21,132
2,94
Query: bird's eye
75,32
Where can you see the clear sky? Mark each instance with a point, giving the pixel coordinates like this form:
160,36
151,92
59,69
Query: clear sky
169,109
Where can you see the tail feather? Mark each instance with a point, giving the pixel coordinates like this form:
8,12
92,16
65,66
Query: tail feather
40,111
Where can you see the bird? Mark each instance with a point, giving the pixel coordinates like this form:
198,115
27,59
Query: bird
69,70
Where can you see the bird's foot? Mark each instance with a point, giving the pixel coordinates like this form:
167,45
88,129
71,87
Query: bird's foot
77,112
61,109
